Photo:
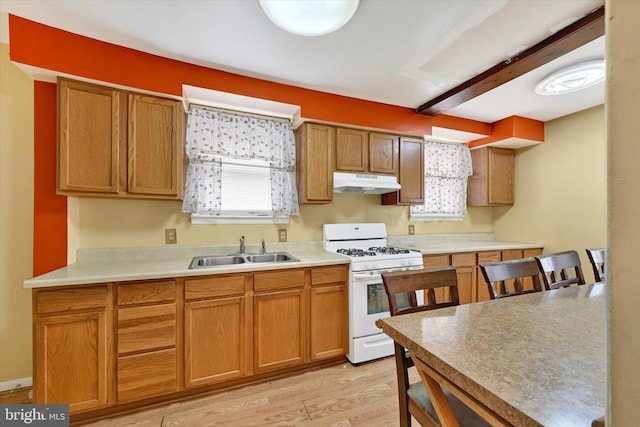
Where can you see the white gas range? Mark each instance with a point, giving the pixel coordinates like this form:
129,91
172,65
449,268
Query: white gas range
366,246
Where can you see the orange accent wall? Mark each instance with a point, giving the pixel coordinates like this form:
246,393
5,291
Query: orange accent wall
60,51
50,210
513,127
50,48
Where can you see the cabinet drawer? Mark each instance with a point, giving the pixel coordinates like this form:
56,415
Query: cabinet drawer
214,287
281,279
511,254
463,260
146,292
63,300
146,328
434,261
334,274
488,256
529,253
146,375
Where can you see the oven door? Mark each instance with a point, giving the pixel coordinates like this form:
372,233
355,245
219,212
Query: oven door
369,302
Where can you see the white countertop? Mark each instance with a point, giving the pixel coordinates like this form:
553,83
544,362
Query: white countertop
124,264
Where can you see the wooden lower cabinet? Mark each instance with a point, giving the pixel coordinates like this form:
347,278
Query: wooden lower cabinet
482,293
465,265
329,312
147,337
215,335
471,284
71,361
216,328
122,345
71,347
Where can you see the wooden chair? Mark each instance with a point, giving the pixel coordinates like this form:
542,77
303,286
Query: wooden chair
440,287
597,258
556,268
507,278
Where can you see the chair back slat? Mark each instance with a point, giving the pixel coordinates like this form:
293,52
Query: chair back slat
597,258
509,278
429,281
556,269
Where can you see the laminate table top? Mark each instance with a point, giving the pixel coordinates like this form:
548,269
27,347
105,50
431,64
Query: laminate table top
535,360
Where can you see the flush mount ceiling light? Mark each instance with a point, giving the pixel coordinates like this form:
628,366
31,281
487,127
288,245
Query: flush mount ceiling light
309,17
573,78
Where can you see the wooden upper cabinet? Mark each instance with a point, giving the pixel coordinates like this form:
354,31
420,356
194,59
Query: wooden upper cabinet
383,153
410,174
90,135
155,146
367,152
314,146
114,143
492,181
352,150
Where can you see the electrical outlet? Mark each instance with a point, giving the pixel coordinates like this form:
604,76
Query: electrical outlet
282,235
412,230
170,236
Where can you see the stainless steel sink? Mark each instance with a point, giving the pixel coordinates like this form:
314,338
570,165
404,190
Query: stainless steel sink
226,260
272,257
216,261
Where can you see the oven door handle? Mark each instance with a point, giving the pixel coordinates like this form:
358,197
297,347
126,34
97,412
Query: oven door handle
366,277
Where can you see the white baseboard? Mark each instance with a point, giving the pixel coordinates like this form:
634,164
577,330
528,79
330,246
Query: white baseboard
19,383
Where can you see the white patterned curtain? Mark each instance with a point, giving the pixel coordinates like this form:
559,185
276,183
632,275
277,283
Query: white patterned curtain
214,137
447,168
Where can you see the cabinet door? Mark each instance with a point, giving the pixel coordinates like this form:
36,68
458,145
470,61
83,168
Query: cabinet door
465,264
91,128
492,181
279,324
71,361
215,335
352,150
410,174
315,163
383,153
482,293
155,146
329,321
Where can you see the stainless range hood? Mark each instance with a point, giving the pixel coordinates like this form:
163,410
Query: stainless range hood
364,183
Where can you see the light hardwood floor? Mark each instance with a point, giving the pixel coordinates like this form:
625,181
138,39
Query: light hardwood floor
342,395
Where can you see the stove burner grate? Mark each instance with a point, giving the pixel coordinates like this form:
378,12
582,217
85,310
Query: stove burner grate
356,252
389,250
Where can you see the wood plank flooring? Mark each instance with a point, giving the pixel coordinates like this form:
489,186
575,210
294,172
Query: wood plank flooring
340,396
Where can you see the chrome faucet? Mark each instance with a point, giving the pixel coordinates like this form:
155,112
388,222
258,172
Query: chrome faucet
264,248
242,247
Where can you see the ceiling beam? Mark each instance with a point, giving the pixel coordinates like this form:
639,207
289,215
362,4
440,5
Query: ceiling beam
581,32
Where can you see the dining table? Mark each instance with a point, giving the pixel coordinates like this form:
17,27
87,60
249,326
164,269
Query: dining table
537,359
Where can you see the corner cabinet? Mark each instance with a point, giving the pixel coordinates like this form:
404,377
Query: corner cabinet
114,143
492,181
314,151
410,174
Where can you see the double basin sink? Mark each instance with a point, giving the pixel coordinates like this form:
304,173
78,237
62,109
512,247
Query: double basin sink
227,260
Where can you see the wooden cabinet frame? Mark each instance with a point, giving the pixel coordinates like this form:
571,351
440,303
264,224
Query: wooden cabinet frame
115,143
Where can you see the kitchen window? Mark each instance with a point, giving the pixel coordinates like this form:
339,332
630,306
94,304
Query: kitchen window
447,167
240,168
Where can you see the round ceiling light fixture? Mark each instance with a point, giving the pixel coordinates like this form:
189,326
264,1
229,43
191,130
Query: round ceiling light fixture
309,17
575,77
